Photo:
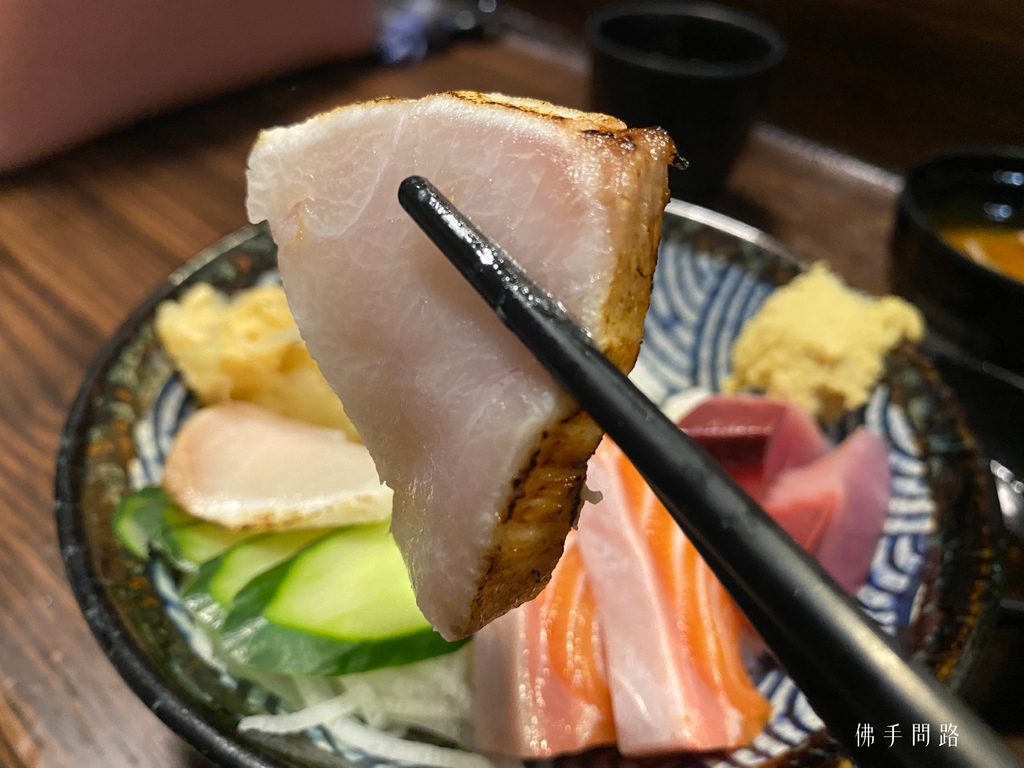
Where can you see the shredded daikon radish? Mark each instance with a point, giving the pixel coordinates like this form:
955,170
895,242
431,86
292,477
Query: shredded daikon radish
333,716
293,722
431,696
381,744
313,690
368,703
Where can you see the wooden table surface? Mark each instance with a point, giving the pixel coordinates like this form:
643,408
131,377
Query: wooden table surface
86,236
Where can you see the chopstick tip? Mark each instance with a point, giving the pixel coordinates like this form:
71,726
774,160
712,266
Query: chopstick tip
415,188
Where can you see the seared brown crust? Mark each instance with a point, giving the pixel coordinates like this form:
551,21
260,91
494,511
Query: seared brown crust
638,224
545,500
546,495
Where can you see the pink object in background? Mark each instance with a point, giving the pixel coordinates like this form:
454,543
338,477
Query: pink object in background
71,70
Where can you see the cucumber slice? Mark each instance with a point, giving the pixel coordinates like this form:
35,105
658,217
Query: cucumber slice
143,517
376,600
150,519
243,562
342,605
190,545
208,597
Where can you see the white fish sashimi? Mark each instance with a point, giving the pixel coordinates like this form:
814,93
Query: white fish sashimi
484,452
243,466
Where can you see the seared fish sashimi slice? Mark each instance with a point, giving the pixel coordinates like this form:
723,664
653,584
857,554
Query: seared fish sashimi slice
485,454
243,466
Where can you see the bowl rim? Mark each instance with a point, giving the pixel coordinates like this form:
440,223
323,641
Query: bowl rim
161,695
174,706
909,204
599,40
733,227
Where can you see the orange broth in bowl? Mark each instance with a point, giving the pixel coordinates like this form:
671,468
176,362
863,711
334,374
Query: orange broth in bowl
998,248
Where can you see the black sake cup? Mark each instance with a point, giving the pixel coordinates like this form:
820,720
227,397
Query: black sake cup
699,70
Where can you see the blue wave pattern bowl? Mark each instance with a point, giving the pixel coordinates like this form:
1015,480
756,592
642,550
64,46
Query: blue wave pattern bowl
932,583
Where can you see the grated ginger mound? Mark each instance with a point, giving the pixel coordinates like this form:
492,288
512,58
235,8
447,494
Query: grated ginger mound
820,344
247,348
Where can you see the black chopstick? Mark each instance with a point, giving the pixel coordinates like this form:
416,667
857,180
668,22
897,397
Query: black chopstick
853,674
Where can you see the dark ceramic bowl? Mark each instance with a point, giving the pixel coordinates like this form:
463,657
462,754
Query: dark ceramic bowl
934,581
697,69
979,310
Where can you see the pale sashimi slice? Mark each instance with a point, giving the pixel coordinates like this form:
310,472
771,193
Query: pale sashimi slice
539,674
849,488
485,454
660,700
242,466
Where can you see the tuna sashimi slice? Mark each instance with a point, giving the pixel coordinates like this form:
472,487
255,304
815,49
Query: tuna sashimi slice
849,488
539,674
672,636
243,466
484,452
755,438
804,517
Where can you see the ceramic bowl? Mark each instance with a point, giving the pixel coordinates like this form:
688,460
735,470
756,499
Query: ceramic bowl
979,310
933,582
697,69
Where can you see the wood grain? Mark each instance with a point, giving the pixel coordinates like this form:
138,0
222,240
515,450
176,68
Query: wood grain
87,235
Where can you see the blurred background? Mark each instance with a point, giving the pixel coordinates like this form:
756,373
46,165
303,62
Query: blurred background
888,82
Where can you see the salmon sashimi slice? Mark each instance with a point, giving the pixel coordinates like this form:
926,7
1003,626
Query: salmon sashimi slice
485,454
849,489
539,672
672,636
706,617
